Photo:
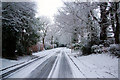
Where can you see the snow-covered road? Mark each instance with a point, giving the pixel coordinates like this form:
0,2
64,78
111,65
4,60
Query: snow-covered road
64,68
60,63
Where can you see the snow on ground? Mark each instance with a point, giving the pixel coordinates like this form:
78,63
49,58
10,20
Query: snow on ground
7,63
102,62
76,72
97,65
91,66
30,68
47,52
55,70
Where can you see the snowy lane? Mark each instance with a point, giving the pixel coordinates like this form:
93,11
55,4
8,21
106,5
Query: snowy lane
61,63
64,68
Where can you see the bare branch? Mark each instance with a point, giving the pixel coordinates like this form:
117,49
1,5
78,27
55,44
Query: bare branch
95,17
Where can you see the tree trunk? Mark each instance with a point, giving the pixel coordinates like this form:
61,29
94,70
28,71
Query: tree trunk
112,22
103,34
117,25
43,43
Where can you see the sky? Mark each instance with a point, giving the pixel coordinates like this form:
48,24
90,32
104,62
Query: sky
48,7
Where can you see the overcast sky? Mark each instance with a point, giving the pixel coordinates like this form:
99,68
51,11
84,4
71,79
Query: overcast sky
48,7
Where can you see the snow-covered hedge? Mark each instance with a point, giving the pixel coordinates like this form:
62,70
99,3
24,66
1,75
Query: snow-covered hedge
115,49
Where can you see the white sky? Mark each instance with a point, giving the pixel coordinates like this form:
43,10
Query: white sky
48,7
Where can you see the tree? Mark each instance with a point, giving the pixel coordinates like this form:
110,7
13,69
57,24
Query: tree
117,32
73,18
104,21
45,23
68,20
114,17
18,28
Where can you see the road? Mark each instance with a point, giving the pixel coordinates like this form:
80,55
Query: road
43,70
42,67
57,64
64,69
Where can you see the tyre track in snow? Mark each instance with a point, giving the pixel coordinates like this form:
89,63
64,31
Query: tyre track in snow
54,66
19,69
43,70
64,68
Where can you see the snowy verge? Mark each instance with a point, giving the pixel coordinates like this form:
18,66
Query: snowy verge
76,72
101,63
97,66
94,65
14,68
6,63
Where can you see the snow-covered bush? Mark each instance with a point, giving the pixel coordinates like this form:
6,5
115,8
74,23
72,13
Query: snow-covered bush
55,45
97,48
76,46
115,49
106,43
86,49
101,46
48,46
68,46
93,48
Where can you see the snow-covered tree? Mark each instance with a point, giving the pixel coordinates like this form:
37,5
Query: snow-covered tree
73,18
19,30
44,27
115,17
